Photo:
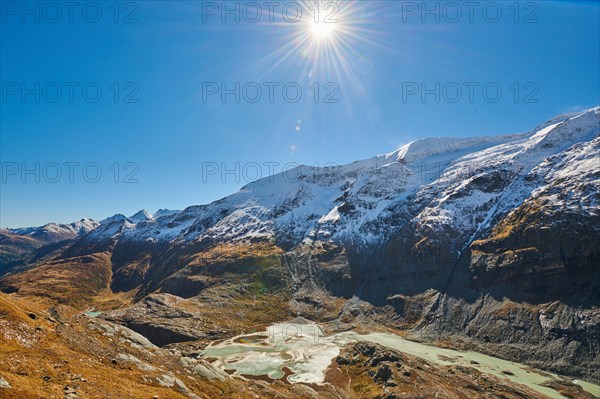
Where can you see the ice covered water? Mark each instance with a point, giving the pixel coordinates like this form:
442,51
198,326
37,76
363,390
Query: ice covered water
302,348
300,352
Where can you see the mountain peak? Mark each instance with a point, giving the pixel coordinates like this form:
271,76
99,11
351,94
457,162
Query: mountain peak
164,212
140,216
113,218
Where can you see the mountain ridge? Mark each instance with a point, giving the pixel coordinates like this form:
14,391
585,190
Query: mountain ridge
409,153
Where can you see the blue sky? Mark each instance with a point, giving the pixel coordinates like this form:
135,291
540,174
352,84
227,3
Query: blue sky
156,134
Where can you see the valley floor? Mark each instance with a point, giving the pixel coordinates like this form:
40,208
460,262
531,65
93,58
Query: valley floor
56,351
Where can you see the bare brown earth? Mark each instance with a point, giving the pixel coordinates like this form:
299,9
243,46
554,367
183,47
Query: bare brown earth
58,352
74,281
51,350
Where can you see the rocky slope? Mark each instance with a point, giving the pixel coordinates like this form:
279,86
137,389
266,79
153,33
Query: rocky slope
374,371
59,352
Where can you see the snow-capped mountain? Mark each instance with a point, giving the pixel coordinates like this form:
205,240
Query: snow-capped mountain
434,184
114,218
138,217
141,216
54,232
18,246
163,212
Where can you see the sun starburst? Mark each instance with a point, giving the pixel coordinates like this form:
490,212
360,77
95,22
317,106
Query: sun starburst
326,41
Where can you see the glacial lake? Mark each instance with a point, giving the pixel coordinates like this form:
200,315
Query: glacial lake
301,353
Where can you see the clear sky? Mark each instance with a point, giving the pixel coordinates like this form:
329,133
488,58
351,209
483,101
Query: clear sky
375,75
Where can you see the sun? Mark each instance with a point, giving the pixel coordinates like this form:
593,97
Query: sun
328,40
322,30
321,19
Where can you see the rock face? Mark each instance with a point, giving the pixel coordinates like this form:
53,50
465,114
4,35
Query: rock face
4,383
565,338
491,239
157,318
550,244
